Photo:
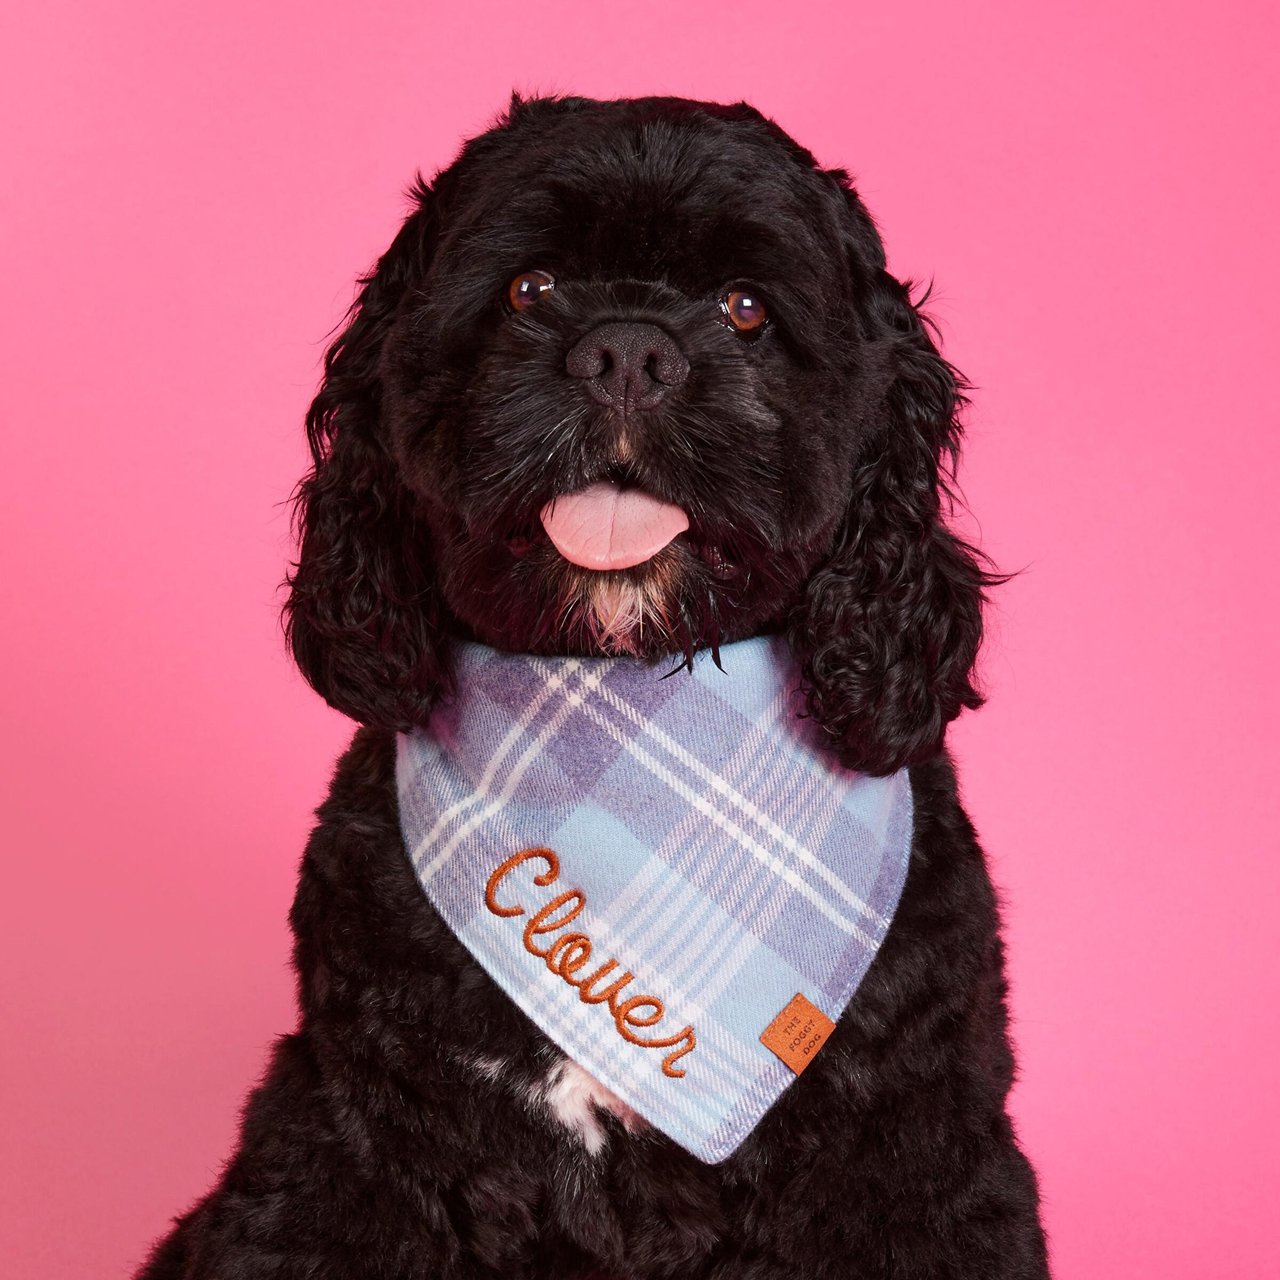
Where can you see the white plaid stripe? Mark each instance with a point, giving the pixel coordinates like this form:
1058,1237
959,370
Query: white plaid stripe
517,771
744,838
722,786
554,682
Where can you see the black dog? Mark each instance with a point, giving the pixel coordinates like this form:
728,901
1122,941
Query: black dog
669,296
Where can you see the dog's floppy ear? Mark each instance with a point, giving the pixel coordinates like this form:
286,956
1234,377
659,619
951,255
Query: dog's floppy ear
890,624
363,615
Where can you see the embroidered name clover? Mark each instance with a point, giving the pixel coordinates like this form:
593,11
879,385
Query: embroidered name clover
569,954
652,868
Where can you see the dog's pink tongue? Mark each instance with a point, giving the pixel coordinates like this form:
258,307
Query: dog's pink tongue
604,527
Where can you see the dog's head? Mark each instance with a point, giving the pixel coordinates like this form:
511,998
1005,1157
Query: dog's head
633,377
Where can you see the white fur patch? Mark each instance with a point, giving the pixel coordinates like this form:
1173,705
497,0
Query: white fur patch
619,609
572,1095
491,1067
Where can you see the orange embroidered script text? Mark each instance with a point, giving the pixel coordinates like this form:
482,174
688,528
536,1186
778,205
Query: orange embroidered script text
567,955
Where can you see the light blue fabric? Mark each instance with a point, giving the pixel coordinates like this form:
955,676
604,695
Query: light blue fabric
724,862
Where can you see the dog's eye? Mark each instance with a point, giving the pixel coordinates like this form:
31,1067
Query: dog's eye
743,310
528,287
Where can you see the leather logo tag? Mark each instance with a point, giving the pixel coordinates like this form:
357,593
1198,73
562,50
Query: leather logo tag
797,1033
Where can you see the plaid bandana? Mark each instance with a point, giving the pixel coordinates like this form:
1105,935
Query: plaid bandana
666,875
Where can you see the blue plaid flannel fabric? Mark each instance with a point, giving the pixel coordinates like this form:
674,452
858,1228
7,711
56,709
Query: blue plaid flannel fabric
720,858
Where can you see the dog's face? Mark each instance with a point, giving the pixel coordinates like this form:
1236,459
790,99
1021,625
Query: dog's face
633,378
656,300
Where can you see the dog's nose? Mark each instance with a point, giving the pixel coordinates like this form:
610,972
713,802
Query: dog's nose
628,366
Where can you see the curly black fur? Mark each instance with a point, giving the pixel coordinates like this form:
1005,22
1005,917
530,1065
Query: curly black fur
812,462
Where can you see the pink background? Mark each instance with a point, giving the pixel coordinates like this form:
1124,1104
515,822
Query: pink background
187,195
